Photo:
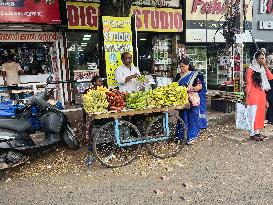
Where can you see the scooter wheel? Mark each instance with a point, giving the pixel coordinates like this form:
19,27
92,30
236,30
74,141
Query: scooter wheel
70,138
12,159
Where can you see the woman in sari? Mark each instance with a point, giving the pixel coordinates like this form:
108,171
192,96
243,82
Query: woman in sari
195,117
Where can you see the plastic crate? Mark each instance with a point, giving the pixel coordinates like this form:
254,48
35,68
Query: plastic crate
222,105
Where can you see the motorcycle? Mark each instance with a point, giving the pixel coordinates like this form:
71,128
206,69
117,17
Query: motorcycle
16,143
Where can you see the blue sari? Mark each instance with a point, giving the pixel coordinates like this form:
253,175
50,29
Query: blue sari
195,118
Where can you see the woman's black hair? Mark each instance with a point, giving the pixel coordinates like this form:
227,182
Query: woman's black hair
185,61
258,53
10,57
257,79
95,78
270,50
191,67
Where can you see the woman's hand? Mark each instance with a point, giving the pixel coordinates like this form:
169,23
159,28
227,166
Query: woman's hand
267,105
190,89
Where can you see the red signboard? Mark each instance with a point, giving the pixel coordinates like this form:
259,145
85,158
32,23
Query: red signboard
158,19
27,11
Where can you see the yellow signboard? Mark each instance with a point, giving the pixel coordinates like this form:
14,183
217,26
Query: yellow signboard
117,34
82,15
158,19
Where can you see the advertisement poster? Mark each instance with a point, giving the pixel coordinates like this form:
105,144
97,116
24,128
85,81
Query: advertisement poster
82,15
56,71
30,11
117,36
158,19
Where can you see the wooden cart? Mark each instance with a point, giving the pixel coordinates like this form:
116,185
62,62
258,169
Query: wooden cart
116,142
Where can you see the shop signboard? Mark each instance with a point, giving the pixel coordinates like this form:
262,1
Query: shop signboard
157,3
7,36
158,19
204,18
30,11
262,20
82,75
83,78
117,34
94,1
82,15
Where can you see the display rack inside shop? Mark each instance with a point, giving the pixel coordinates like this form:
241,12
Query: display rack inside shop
21,92
162,55
224,101
33,58
198,58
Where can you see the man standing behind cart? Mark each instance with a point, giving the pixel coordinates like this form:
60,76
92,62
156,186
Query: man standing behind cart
126,74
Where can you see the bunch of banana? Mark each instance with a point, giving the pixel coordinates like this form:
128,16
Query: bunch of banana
169,95
141,78
95,101
102,89
137,100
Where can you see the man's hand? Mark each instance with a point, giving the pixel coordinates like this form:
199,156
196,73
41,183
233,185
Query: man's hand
131,77
135,75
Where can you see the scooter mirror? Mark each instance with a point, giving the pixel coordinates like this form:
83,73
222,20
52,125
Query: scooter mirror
49,79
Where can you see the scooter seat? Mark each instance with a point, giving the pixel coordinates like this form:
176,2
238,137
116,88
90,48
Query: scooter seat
20,125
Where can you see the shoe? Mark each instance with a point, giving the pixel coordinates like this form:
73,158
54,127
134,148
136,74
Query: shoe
262,137
191,142
256,138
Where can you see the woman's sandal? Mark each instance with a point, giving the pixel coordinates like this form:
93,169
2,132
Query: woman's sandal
256,138
262,137
191,142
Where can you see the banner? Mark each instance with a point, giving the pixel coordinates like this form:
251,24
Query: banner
6,36
30,11
158,19
157,3
82,15
117,35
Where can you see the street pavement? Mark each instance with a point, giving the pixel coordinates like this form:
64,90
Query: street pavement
222,167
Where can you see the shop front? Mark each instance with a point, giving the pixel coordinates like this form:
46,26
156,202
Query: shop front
159,30
30,34
38,54
262,26
207,41
82,45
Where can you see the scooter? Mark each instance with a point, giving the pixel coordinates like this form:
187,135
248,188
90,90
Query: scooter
16,143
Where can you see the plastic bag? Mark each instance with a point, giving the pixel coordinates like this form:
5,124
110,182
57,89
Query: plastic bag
245,117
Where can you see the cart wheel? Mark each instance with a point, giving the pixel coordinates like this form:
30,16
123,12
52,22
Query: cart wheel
177,136
105,147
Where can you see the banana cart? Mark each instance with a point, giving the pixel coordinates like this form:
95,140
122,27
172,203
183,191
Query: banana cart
117,142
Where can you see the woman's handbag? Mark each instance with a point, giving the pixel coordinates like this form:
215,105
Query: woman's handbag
194,98
245,117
